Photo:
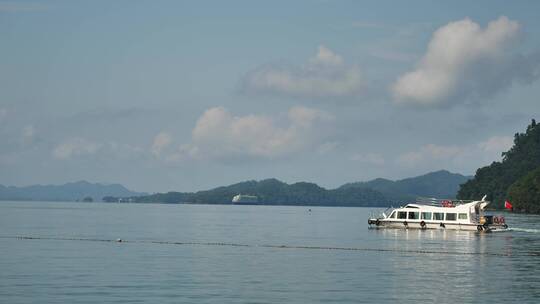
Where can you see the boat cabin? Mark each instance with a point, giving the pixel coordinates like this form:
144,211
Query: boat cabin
459,215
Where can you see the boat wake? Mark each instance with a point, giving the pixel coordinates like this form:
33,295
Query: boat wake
524,230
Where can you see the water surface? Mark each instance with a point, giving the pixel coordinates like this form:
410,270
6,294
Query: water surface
254,254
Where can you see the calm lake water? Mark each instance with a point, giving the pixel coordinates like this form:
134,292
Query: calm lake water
232,254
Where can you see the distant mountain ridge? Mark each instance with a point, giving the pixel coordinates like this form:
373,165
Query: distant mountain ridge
66,192
273,192
377,192
440,184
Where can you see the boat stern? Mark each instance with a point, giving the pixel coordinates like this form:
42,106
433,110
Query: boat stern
492,223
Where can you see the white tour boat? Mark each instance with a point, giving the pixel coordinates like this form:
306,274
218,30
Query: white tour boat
244,199
441,214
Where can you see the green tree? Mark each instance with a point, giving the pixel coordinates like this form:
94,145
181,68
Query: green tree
496,179
525,193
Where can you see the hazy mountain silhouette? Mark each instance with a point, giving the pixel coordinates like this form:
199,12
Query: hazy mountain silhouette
67,192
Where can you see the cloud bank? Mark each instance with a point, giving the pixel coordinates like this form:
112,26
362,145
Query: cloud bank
75,147
161,141
457,157
324,75
464,62
218,134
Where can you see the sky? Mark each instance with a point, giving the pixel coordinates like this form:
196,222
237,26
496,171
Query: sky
190,95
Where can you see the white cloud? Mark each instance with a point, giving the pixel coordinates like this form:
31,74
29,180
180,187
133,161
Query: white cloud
325,75
464,61
305,117
369,158
102,151
326,57
218,134
460,158
75,147
161,141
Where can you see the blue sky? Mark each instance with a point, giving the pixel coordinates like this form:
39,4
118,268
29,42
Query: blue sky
188,95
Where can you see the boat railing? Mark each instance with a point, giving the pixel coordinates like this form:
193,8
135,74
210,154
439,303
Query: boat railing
386,213
378,214
437,202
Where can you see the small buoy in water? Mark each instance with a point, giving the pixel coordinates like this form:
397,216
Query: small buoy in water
119,240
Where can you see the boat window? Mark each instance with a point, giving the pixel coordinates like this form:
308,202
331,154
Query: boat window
402,215
438,216
463,216
426,215
413,215
393,215
450,216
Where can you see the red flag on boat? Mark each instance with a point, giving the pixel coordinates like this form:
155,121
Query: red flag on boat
507,205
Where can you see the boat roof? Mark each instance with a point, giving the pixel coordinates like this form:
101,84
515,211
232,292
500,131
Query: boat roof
439,201
444,204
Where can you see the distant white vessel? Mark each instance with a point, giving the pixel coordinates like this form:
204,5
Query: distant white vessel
244,199
441,214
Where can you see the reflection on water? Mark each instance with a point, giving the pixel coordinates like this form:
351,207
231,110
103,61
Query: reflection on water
441,239
506,267
437,276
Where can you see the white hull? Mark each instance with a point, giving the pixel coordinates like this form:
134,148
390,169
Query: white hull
242,199
436,225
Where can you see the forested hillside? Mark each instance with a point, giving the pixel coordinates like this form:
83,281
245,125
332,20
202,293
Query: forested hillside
439,184
378,192
512,178
275,192
525,192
